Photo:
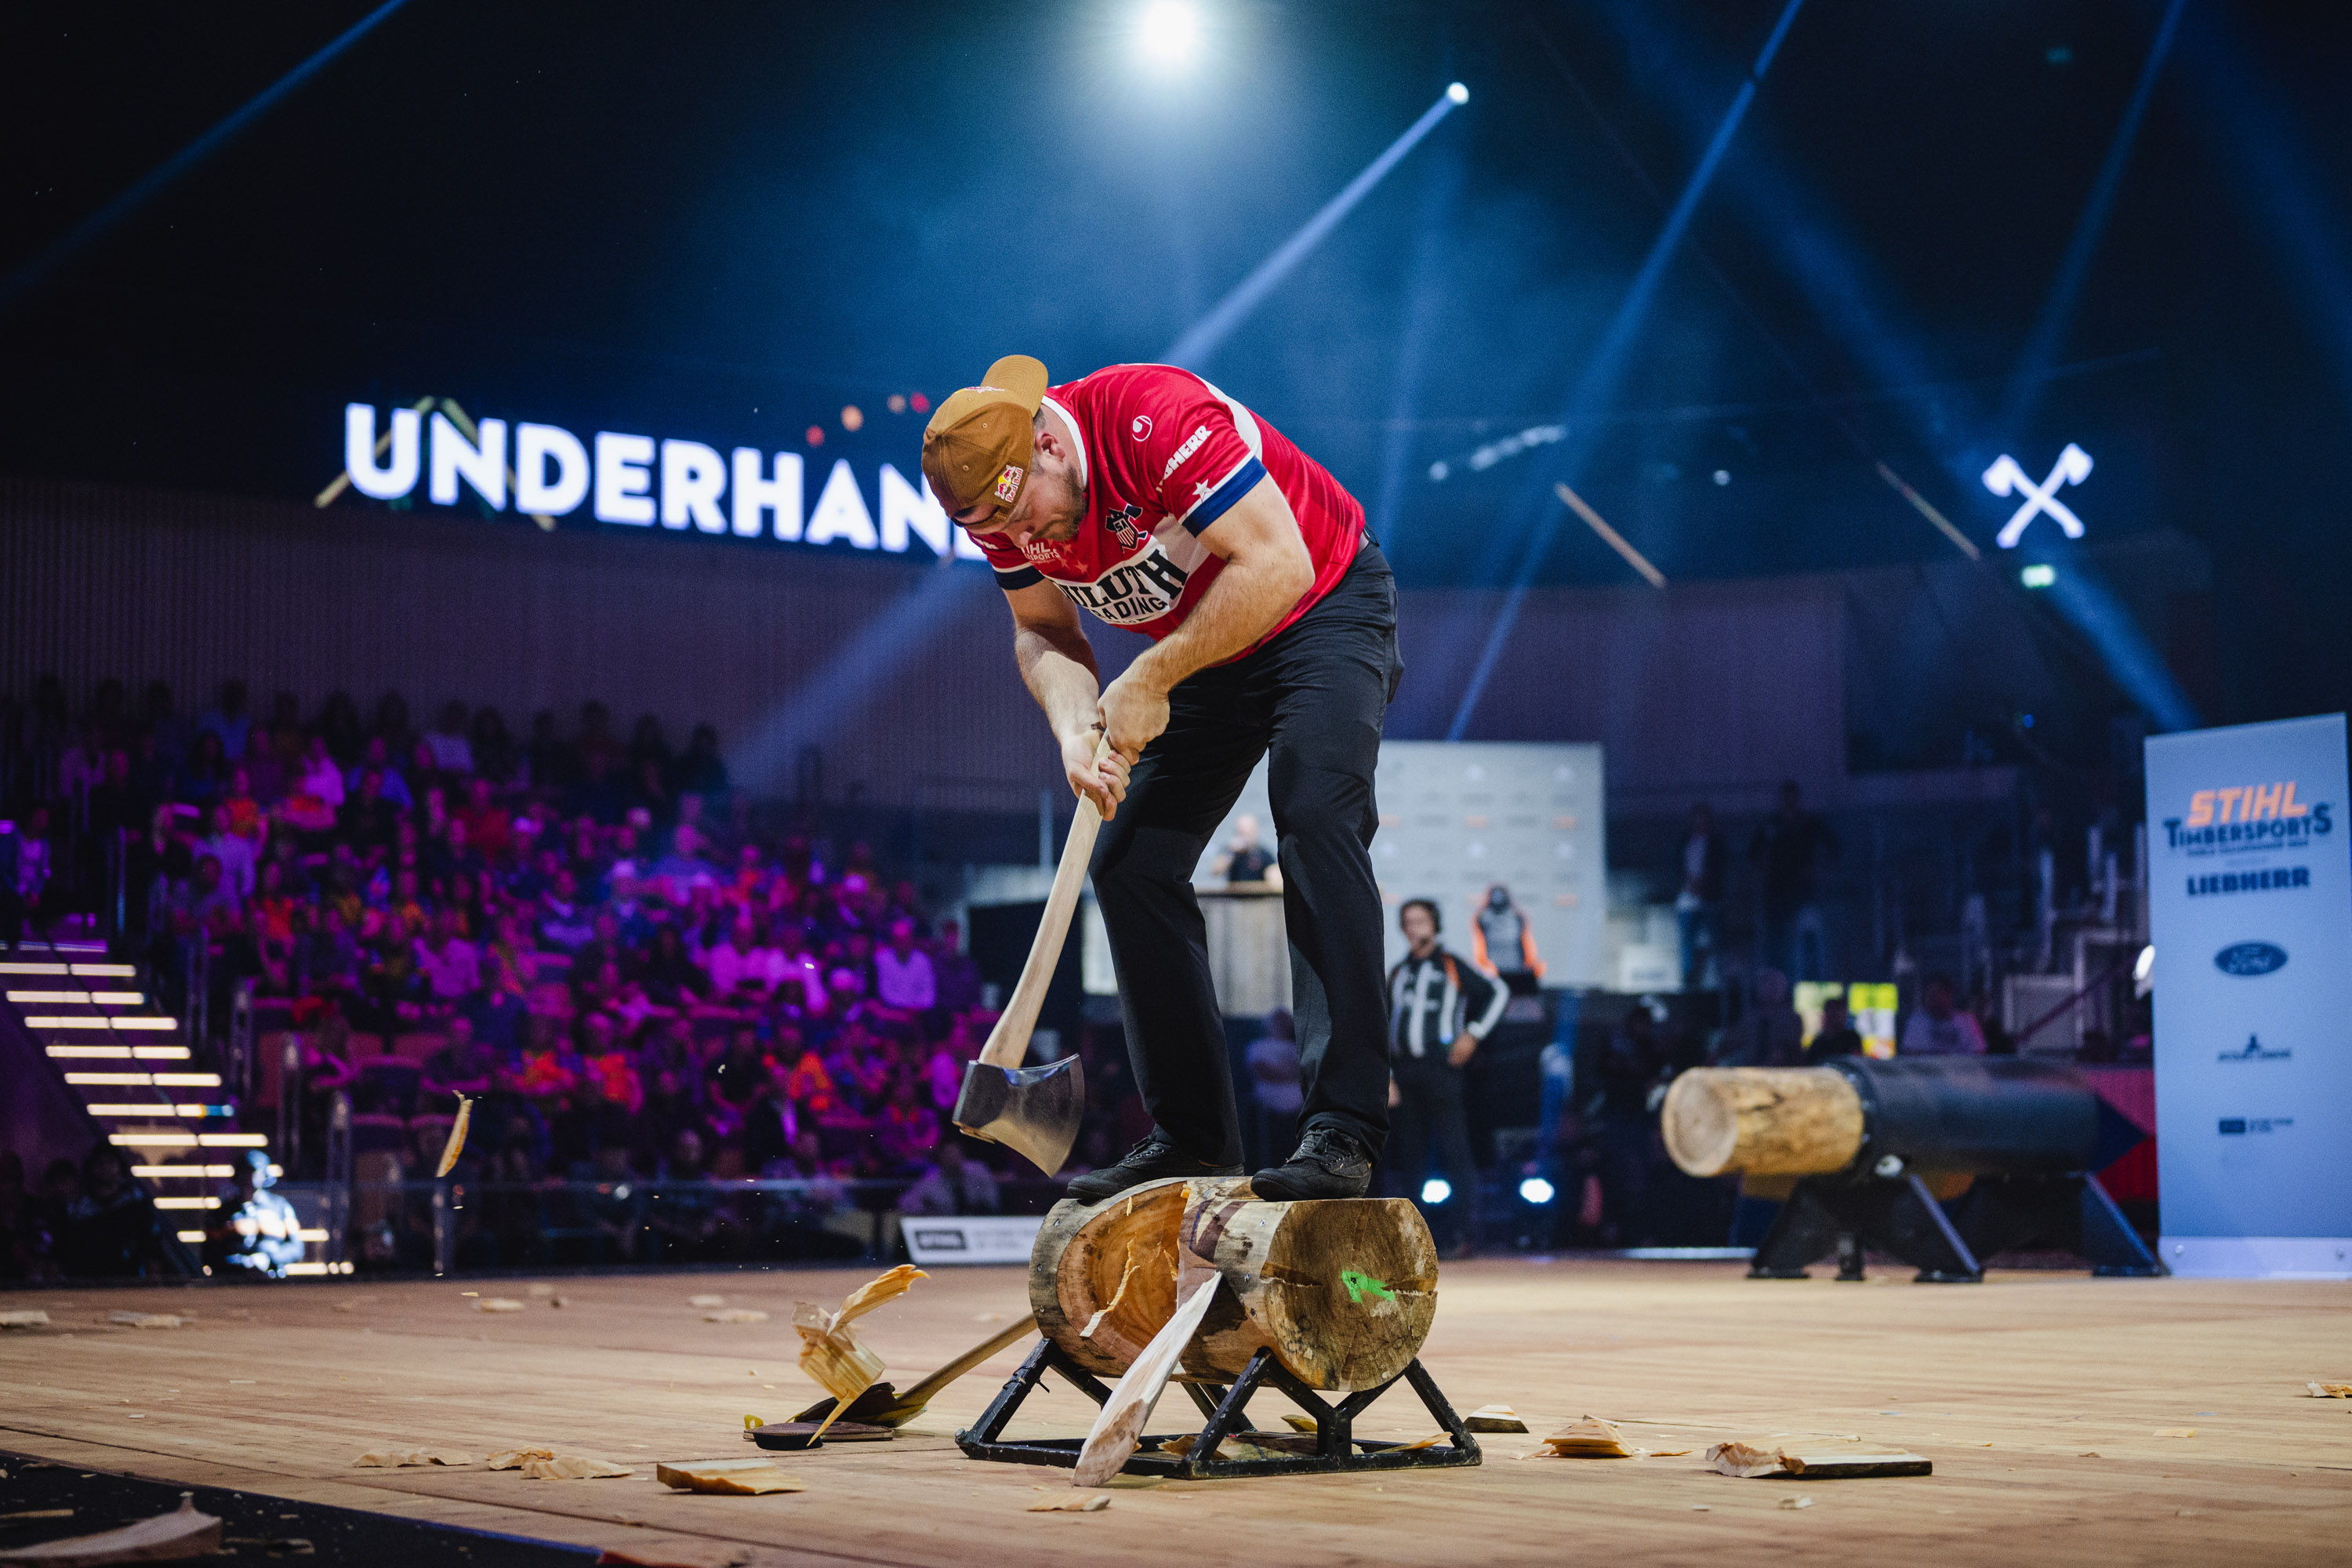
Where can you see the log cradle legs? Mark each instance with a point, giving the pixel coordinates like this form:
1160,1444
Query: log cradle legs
1945,1242
1326,1303
1225,1411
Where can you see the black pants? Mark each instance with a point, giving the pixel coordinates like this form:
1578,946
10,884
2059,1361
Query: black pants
1311,701
1430,1128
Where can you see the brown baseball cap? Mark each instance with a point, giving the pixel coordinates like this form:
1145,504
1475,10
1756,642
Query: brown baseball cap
977,446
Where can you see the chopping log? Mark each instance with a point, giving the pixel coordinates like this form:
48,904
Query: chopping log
1941,1161
1342,1290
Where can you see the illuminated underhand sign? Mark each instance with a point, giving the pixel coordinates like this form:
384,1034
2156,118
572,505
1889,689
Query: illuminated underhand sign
2006,478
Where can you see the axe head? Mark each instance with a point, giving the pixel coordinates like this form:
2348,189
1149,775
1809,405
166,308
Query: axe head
2075,463
1033,1111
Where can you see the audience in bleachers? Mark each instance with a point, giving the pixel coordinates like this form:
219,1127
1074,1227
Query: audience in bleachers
584,933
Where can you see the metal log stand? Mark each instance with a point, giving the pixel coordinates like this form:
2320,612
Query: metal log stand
2029,1132
1226,1410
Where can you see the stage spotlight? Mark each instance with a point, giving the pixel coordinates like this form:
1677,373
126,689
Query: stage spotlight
1535,1190
1168,33
1458,93
1723,476
1435,1191
2037,575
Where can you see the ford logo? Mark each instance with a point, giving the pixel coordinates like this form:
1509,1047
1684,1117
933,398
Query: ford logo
2251,958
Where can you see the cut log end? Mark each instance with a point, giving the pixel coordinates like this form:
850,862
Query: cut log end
1103,1277
1765,1122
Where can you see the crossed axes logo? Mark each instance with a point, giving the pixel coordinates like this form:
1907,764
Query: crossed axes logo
2006,478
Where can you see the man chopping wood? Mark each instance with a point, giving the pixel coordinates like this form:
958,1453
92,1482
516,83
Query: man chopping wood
1144,494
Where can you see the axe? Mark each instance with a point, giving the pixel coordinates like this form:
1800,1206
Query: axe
1034,1110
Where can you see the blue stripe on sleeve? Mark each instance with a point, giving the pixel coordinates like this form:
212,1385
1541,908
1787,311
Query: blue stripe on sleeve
1219,502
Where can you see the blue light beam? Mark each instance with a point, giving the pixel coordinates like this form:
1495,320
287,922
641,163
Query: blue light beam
1607,365
97,224
1205,336
2040,352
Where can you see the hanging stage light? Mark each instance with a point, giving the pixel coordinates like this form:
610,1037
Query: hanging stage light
1435,1191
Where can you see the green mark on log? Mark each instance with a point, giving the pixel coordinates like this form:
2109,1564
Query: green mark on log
1362,1285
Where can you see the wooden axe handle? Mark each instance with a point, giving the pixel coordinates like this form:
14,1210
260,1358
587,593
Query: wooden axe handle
1008,1043
921,1393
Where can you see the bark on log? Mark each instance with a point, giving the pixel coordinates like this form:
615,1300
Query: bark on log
1343,1290
1763,1121
1116,1258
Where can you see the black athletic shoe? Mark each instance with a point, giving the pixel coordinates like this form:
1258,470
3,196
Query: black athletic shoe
1330,1164
1154,1159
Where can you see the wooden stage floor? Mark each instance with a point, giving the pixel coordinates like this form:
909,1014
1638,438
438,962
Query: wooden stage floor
2037,1395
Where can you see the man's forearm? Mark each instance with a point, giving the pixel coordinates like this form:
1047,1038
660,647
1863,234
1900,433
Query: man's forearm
1060,675
1239,607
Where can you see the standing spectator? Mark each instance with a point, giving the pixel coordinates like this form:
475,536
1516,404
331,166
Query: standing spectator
228,721
1698,907
1439,1009
1768,1034
1246,860
1504,945
955,974
235,853
1837,1035
1791,845
951,1184
700,771
1940,1029
1276,1083
550,760
451,965
451,752
1632,1064
904,980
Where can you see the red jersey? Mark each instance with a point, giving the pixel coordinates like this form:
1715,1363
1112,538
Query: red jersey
1163,455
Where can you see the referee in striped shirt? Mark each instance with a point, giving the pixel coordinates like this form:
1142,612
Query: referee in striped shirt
1440,1007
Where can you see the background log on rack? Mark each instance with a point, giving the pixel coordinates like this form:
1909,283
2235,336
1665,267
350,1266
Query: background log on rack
1764,1122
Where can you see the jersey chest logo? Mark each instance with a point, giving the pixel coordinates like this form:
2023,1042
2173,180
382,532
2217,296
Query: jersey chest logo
1134,593
1122,526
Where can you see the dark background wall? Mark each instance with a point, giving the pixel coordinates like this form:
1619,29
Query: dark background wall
900,674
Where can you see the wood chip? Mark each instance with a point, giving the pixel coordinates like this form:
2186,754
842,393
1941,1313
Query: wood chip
397,1458
456,1142
736,1315
498,1304
573,1467
729,1478
1591,1438
515,1459
150,1319
2318,1390
2176,1431
1072,1502
33,1318
1494,1418
1796,1502
706,1300
166,1538
1745,1459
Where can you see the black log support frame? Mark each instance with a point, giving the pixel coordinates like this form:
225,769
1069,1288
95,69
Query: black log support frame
1226,1412
1849,1213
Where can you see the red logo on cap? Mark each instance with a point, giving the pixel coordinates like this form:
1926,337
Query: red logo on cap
1008,483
